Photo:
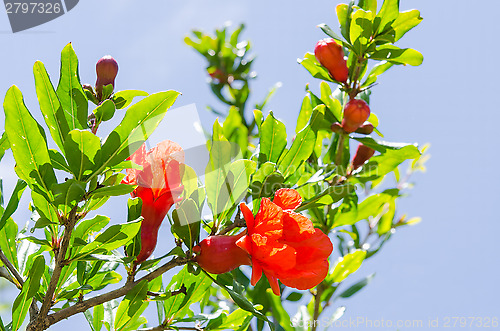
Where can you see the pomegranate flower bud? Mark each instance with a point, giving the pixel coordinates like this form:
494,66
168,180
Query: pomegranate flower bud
331,56
356,112
219,254
106,69
363,154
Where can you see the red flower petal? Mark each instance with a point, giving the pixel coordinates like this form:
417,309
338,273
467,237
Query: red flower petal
273,281
256,272
268,220
296,227
287,198
248,216
317,247
305,276
275,256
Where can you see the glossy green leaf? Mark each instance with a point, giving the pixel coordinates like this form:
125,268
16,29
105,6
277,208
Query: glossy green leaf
347,212
388,13
68,194
266,181
280,315
177,306
116,190
58,161
140,120
8,235
398,55
187,222
361,30
344,13
328,196
13,202
123,99
368,5
387,218
4,144
114,237
133,304
332,103
406,21
381,165
87,227
70,92
30,288
346,266
50,105
272,139
105,111
83,152
377,70
27,141
312,65
238,320
373,205
304,114
326,29
356,287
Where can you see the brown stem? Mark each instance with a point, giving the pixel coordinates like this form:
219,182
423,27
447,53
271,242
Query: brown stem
11,268
317,303
238,223
42,324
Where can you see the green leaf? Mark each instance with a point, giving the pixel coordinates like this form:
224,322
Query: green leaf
272,139
13,202
406,21
8,235
311,64
380,165
124,98
361,30
58,161
328,196
332,103
28,143
116,190
68,194
105,111
177,306
140,120
87,227
279,313
356,287
368,5
266,181
302,147
187,222
385,222
346,266
114,237
30,288
346,213
50,105
387,14
244,304
133,304
373,205
236,185
304,114
377,70
344,13
398,55
83,152
326,29
238,320
4,144
70,92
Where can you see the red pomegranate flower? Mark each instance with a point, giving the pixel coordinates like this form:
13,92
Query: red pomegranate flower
159,187
284,244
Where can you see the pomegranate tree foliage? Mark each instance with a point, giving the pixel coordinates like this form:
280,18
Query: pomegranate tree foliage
66,263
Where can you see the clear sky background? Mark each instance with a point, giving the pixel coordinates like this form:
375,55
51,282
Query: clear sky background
446,266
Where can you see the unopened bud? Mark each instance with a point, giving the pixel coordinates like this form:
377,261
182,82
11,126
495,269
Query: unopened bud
331,56
356,112
106,69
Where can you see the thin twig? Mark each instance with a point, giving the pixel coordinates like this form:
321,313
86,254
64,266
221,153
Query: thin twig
89,303
11,268
238,223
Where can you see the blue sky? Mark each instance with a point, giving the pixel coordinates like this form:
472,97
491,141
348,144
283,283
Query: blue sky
446,266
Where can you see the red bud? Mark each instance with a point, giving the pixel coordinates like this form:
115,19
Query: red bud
356,112
363,154
219,254
106,69
331,56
